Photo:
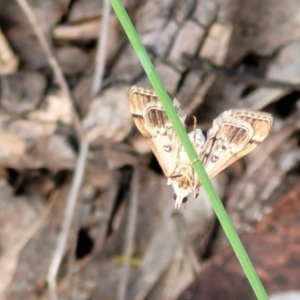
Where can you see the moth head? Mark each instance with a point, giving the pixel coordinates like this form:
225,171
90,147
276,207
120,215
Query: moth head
183,186
182,200
180,193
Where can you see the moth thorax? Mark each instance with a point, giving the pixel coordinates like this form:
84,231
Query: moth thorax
183,182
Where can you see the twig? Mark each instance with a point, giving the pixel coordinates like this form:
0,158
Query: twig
7,273
71,259
130,232
95,88
107,210
81,160
52,61
208,80
68,216
247,78
101,50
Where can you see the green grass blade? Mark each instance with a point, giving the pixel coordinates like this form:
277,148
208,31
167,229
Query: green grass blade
181,132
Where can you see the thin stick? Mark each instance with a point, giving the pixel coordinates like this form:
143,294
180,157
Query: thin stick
243,77
107,210
101,50
130,232
8,270
95,88
68,216
51,60
84,146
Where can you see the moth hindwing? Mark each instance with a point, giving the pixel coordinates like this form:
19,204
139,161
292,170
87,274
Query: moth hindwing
234,133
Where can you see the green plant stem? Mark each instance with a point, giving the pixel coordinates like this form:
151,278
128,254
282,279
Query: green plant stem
199,169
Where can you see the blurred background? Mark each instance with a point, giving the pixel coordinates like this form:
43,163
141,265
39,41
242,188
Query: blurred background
70,153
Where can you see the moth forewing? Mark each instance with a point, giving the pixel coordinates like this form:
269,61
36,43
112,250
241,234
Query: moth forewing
225,141
152,121
247,127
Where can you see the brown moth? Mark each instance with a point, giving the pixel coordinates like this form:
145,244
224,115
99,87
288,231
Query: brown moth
234,133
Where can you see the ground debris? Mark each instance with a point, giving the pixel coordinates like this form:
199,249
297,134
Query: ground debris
212,56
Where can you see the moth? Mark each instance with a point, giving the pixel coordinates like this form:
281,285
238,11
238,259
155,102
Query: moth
234,133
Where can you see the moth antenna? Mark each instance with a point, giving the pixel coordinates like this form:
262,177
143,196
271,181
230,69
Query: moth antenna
195,124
